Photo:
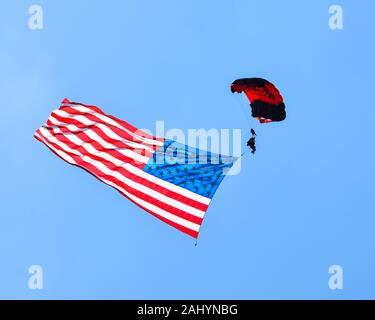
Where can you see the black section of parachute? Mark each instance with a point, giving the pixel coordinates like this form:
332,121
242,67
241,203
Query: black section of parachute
268,111
256,82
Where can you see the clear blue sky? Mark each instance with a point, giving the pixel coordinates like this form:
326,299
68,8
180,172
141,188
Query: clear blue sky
174,60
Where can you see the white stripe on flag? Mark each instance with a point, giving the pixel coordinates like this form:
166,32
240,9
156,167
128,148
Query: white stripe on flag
109,121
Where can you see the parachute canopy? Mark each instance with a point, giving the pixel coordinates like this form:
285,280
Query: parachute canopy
266,102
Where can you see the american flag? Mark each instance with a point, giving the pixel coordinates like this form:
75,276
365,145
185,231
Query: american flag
172,181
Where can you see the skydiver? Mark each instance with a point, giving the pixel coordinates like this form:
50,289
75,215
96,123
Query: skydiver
251,144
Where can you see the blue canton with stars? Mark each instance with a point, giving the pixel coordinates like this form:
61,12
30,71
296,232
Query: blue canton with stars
198,171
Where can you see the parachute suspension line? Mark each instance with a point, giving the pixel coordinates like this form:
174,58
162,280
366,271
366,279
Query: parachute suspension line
246,109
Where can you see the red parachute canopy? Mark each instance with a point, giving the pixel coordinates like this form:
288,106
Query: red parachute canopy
266,102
